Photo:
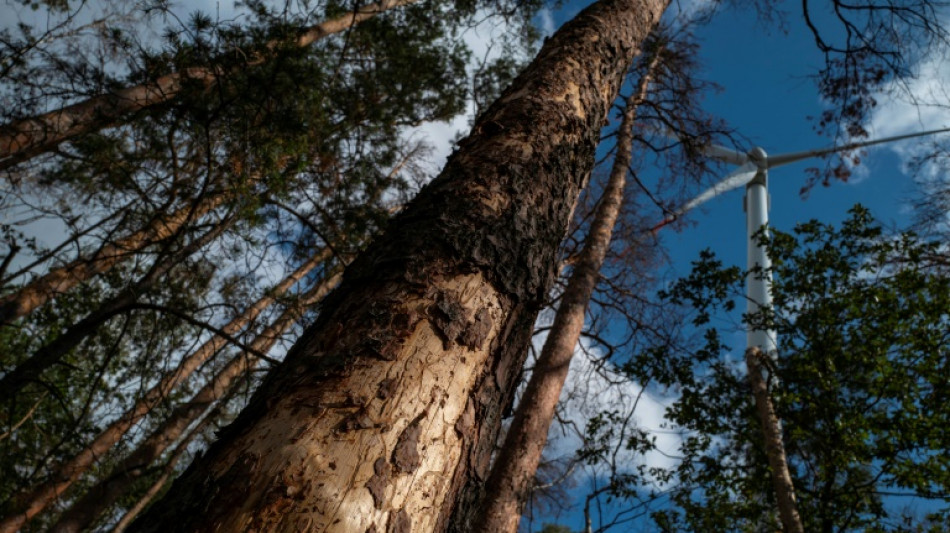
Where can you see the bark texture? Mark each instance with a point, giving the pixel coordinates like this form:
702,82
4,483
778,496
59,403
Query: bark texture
45,288
29,137
388,406
53,352
104,494
512,475
38,498
774,447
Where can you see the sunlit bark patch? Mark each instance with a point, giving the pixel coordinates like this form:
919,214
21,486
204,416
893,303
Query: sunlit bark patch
393,438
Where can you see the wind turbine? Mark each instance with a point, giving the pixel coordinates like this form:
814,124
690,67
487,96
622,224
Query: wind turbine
753,174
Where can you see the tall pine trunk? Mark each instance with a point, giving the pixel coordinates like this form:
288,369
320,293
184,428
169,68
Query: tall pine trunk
104,494
388,406
53,352
38,498
58,280
26,138
774,447
512,476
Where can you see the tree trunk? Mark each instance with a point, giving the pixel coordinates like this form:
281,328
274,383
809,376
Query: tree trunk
47,287
512,476
39,497
774,447
53,352
26,138
388,406
104,494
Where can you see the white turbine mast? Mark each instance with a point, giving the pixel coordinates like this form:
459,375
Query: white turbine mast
753,174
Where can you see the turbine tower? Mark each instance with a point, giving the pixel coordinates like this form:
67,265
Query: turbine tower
753,173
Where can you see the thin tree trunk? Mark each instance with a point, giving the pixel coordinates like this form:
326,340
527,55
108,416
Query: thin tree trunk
385,411
26,138
52,253
168,469
512,476
30,370
104,494
47,287
39,497
774,447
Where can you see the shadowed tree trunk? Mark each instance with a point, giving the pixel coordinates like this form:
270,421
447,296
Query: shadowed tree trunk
58,280
39,497
512,476
774,447
103,495
53,352
26,138
387,408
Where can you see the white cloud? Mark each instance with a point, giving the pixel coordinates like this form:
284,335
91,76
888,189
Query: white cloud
918,104
545,22
594,385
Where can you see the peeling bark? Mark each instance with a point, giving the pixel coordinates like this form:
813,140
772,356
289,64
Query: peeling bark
774,447
512,476
442,305
29,137
105,493
58,280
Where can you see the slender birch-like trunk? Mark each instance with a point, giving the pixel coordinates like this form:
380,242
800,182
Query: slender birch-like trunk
103,495
58,280
512,476
26,138
167,469
386,409
39,497
48,355
774,447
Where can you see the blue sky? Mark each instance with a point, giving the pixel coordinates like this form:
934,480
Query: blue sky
767,96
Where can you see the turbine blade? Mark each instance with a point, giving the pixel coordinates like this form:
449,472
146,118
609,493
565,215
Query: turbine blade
735,179
716,151
722,153
784,159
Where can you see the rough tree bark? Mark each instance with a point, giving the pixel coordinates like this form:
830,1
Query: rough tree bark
104,494
774,447
388,406
512,476
37,498
53,352
26,138
58,280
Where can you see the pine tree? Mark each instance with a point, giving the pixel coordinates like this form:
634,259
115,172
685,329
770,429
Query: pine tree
422,342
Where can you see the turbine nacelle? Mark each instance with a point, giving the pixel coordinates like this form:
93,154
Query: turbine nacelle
758,156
